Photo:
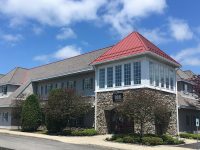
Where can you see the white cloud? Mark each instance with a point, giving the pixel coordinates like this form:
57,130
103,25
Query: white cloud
119,14
189,56
155,35
66,33
65,52
52,12
180,30
11,37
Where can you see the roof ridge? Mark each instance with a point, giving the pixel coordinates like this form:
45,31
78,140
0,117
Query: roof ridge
139,37
13,74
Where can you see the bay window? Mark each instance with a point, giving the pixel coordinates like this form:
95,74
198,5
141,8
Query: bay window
162,80
151,73
101,78
157,75
172,79
118,75
110,77
137,72
167,78
127,74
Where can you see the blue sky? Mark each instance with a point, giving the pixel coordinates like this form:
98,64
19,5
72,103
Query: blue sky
36,32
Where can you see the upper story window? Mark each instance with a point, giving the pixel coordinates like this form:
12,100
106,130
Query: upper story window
62,85
87,83
46,90
162,77
4,89
127,74
137,72
110,77
167,78
151,73
101,78
118,75
157,75
172,79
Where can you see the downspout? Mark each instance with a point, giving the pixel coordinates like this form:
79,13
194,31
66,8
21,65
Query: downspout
95,111
177,113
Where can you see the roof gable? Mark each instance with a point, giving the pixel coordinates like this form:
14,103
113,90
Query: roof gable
131,45
15,77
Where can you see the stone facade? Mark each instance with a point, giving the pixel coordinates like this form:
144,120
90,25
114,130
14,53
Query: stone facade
105,102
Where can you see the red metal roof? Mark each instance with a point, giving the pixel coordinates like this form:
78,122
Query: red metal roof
131,45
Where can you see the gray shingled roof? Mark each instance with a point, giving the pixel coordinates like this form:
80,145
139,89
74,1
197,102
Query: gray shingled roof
16,77
184,75
64,67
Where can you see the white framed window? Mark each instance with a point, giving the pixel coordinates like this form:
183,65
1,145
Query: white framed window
41,90
157,75
118,75
171,79
167,78
102,78
137,72
4,89
110,77
151,73
127,74
162,77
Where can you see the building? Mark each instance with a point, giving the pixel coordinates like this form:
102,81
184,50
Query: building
104,77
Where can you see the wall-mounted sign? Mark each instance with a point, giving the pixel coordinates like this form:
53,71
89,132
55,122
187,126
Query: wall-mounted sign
197,122
117,97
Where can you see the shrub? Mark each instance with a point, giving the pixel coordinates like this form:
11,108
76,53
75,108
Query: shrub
85,132
128,139
120,140
170,140
190,136
31,114
152,141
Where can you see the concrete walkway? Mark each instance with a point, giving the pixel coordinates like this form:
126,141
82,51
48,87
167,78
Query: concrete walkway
100,141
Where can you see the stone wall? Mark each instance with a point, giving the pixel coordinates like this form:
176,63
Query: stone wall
105,102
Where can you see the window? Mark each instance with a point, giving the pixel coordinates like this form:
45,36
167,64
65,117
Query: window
62,85
56,85
157,74
127,74
46,89
167,78
172,79
110,77
4,89
50,87
71,84
41,90
137,72
5,117
151,73
162,80
185,88
88,83
118,75
102,78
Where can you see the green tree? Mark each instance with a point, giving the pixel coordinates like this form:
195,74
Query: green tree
31,114
62,107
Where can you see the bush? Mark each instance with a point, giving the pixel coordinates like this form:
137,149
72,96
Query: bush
31,117
170,140
85,132
190,136
128,139
120,140
152,141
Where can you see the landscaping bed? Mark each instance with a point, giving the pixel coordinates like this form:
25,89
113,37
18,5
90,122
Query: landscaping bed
148,139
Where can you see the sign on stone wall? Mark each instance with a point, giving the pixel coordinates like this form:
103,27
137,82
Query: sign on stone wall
117,97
